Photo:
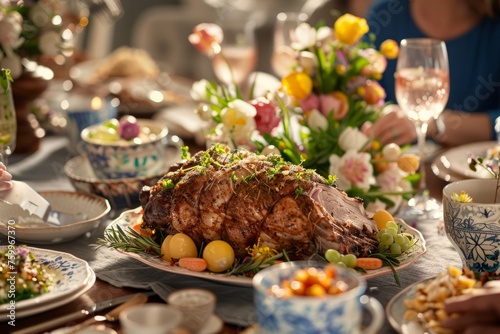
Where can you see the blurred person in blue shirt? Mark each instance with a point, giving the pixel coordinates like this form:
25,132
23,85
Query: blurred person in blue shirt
471,31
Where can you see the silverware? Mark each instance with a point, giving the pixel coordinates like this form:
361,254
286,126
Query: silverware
22,195
72,317
112,315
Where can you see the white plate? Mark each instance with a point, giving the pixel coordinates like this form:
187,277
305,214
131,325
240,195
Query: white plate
73,276
131,217
395,309
456,159
94,207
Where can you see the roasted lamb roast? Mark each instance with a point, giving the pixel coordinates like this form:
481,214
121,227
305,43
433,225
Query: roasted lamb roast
241,197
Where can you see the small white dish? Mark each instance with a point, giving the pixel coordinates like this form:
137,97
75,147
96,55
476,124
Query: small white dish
153,318
212,326
94,208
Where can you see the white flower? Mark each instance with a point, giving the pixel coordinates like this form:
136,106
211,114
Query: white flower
352,139
49,43
238,120
308,60
12,62
41,15
352,169
10,31
390,180
305,37
391,151
316,120
199,90
283,60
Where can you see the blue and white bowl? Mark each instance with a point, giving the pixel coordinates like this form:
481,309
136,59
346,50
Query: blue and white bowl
338,314
474,228
121,159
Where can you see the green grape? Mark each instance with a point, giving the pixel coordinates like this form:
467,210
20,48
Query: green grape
341,264
405,245
349,260
379,233
394,225
386,239
411,239
105,134
382,248
399,239
332,256
392,231
112,123
395,249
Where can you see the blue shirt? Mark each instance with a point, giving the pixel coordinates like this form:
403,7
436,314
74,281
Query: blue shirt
474,58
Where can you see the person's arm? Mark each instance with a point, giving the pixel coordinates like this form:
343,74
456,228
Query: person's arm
462,128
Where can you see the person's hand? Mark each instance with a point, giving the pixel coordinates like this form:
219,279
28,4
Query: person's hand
5,178
392,127
477,313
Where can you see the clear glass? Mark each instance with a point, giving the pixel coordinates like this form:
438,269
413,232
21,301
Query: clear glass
238,56
422,90
284,35
7,120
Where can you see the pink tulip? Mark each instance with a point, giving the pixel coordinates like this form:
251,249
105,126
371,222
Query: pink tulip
309,103
335,103
206,38
267,118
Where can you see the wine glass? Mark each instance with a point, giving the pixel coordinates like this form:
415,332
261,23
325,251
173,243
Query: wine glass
8,125
284,35
422,90
238,56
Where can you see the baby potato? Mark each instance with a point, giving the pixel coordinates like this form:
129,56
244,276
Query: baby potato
219,256
181,245
165,251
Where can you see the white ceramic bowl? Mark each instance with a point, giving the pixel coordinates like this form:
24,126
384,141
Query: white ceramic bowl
94,207
152,318
474,228
341,313
117,160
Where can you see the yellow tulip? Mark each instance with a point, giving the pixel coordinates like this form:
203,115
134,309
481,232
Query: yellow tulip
389,48
409,163
297,84
349,28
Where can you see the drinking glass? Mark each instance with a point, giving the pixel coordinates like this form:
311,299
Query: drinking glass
238,56
422,90
7,118
284,35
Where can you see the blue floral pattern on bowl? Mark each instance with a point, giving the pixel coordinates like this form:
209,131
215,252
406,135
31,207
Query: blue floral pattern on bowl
474,230
338,314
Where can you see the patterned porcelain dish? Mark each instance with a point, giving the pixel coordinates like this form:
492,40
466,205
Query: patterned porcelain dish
91,208
127,159
474,228
121,193
73,276
340,313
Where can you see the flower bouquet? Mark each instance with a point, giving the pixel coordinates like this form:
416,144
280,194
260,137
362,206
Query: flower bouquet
315,114
29,29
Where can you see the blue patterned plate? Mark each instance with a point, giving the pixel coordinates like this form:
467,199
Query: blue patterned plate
73,277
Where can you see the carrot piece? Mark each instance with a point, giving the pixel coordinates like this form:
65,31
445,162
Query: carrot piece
369,263
193,263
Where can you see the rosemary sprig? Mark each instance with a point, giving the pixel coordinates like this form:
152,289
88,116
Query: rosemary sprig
250,266
129,241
